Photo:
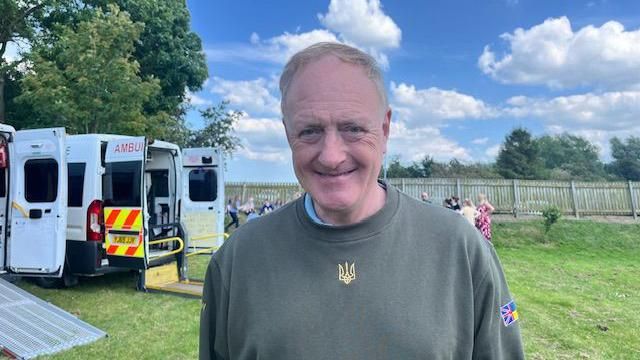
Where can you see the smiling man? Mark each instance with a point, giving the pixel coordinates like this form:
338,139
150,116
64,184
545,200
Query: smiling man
354,269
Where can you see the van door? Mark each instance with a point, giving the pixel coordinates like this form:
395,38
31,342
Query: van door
122,190
203,196
6,135
38,206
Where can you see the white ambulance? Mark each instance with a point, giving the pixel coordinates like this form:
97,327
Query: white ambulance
33,201
128,199
129,193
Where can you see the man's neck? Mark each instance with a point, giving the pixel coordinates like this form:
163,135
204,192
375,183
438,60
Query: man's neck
347,217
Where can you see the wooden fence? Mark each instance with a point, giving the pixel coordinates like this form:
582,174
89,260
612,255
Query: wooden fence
507,196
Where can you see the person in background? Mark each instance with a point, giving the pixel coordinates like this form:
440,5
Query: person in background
248,207
425,197
469,211
354,269
266,208
232,210
483,220
455,203
238,203
447,203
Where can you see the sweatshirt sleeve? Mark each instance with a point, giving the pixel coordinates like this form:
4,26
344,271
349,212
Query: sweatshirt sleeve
497,331
213,316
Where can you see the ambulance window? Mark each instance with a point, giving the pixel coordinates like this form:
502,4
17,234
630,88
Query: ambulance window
3,182
203,185
160,182
41,180
76,184
121,184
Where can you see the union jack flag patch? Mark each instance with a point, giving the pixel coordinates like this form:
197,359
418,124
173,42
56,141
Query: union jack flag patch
509,313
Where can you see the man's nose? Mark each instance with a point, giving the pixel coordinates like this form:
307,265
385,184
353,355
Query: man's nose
333,152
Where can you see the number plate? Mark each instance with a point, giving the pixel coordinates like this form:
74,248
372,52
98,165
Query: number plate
128,240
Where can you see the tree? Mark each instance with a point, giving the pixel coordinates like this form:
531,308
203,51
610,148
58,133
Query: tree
92,84
167,49
218,129
456,169
627,158
18,24
570,157
519,156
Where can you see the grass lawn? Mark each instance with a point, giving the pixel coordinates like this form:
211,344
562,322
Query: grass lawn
577,289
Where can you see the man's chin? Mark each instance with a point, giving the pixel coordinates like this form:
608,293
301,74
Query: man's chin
333,203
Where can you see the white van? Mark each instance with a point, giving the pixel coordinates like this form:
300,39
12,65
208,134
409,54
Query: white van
127,193
128,199
33,194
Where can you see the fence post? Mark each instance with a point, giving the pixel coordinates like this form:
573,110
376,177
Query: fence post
516,198
402,184
458,188
244,191
634,206
573,199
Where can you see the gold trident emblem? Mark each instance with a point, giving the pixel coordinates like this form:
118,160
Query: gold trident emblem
347,273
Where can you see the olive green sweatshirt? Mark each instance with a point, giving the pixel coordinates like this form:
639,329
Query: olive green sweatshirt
413,281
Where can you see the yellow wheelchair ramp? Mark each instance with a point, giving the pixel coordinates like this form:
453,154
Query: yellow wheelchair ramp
165,278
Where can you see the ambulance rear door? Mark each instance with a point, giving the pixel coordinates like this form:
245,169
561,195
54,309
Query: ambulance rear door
38,209
123,194
7,134
203,196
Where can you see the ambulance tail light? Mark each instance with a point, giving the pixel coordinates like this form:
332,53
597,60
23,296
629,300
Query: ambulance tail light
95,221
3,155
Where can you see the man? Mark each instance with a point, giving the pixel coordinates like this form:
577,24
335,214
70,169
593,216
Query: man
353,269
425,197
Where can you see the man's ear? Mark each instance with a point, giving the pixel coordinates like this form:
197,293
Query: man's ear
386,123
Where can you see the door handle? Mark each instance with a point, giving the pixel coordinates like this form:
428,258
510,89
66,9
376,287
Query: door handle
210,208
35,213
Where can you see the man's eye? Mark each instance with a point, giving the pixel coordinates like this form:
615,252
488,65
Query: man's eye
309,132
355,129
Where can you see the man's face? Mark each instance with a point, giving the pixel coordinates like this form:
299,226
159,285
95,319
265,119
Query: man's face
338,131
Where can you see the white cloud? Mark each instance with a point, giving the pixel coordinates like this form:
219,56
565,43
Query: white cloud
252,96
413,144
608,111
194,99
552,54
359,23
285,45
255,38
362,22
480,141
596,117
263,139
492,151
276,50
434,105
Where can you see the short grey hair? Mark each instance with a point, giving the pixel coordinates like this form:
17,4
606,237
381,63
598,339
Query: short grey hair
343,52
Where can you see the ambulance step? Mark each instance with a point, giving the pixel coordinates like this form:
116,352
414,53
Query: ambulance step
165,278
190,289
31,327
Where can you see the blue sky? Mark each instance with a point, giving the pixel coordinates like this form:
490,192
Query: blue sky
460,74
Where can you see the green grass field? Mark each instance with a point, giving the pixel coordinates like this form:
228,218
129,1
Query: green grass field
577,289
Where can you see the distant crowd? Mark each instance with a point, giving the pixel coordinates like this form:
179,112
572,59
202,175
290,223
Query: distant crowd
235,207
479,216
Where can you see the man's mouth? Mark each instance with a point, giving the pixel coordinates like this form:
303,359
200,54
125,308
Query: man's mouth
335,174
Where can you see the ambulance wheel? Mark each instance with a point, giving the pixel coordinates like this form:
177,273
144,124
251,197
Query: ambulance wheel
66,280
49,283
